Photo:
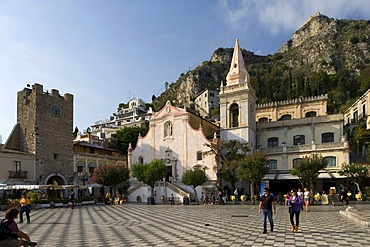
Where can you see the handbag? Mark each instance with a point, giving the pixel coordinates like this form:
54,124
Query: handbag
290,209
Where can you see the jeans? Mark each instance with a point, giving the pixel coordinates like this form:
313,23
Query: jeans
296,218
27,210
267,213
236,199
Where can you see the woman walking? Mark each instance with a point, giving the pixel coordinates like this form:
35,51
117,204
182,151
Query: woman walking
25,208
294,204
307,196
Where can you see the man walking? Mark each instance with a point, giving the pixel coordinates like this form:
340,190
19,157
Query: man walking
268,207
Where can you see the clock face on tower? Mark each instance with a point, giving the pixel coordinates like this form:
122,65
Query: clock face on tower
56,110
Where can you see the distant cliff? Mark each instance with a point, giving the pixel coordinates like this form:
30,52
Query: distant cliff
324,56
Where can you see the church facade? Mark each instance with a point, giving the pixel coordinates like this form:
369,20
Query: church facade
177,137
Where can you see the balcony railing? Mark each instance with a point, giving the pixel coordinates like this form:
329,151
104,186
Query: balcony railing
19,174
305,148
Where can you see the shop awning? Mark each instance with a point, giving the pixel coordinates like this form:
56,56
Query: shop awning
269,176
286,176
324,175
336,175
93,185
36,187
21,187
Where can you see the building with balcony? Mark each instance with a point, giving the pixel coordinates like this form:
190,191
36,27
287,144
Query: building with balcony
17,167
206,101
286,142
133,114
358,110
89,154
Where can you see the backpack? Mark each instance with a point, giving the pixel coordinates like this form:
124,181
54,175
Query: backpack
5,232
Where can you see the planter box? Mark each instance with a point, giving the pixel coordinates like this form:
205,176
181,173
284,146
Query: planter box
87,202
58,204
3,207
46,205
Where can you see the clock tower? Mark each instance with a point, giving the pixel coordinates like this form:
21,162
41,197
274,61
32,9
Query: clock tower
45,128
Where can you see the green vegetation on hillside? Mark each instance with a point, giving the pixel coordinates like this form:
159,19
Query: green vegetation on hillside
334,61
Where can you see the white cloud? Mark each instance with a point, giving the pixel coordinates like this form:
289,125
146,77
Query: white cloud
288,15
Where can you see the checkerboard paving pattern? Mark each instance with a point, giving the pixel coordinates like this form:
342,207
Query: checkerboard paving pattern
190,225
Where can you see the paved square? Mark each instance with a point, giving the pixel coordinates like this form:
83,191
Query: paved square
193,225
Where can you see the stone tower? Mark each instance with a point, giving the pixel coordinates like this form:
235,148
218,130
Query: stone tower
45,121
238,103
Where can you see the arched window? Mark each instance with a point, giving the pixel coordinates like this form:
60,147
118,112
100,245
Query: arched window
327,137
234,115
141,160
311,114
91,167
80,169
286,117
80,166
272,164
168,129
332,161
273,142
299,140
296,161
199,155
263,120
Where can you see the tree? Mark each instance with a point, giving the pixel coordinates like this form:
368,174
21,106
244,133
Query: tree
125,136
149,173
355,172
195,178
308,169
228,153
110,175
215,113
359,137
252,168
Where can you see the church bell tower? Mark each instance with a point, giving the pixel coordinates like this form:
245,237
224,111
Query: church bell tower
238,103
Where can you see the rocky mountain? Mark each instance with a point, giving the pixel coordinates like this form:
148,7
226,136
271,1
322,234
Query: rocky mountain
325,55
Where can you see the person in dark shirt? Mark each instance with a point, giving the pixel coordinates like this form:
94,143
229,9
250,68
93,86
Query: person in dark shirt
295,202
268,207
15,237
344,195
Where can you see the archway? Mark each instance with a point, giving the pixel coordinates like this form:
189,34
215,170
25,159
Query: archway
56,180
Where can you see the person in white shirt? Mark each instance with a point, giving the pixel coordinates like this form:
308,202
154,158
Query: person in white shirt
307,196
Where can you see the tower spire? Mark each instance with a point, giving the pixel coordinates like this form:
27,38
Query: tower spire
237,73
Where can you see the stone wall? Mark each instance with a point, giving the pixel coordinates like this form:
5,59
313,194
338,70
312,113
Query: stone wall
46,132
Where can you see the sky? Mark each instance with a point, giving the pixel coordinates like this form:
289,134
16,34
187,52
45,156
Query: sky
109,51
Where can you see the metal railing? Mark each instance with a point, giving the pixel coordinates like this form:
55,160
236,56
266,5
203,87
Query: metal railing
18,174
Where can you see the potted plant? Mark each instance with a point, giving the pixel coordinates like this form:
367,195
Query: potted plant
4,204
60,202
359,196
33,197
43,203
